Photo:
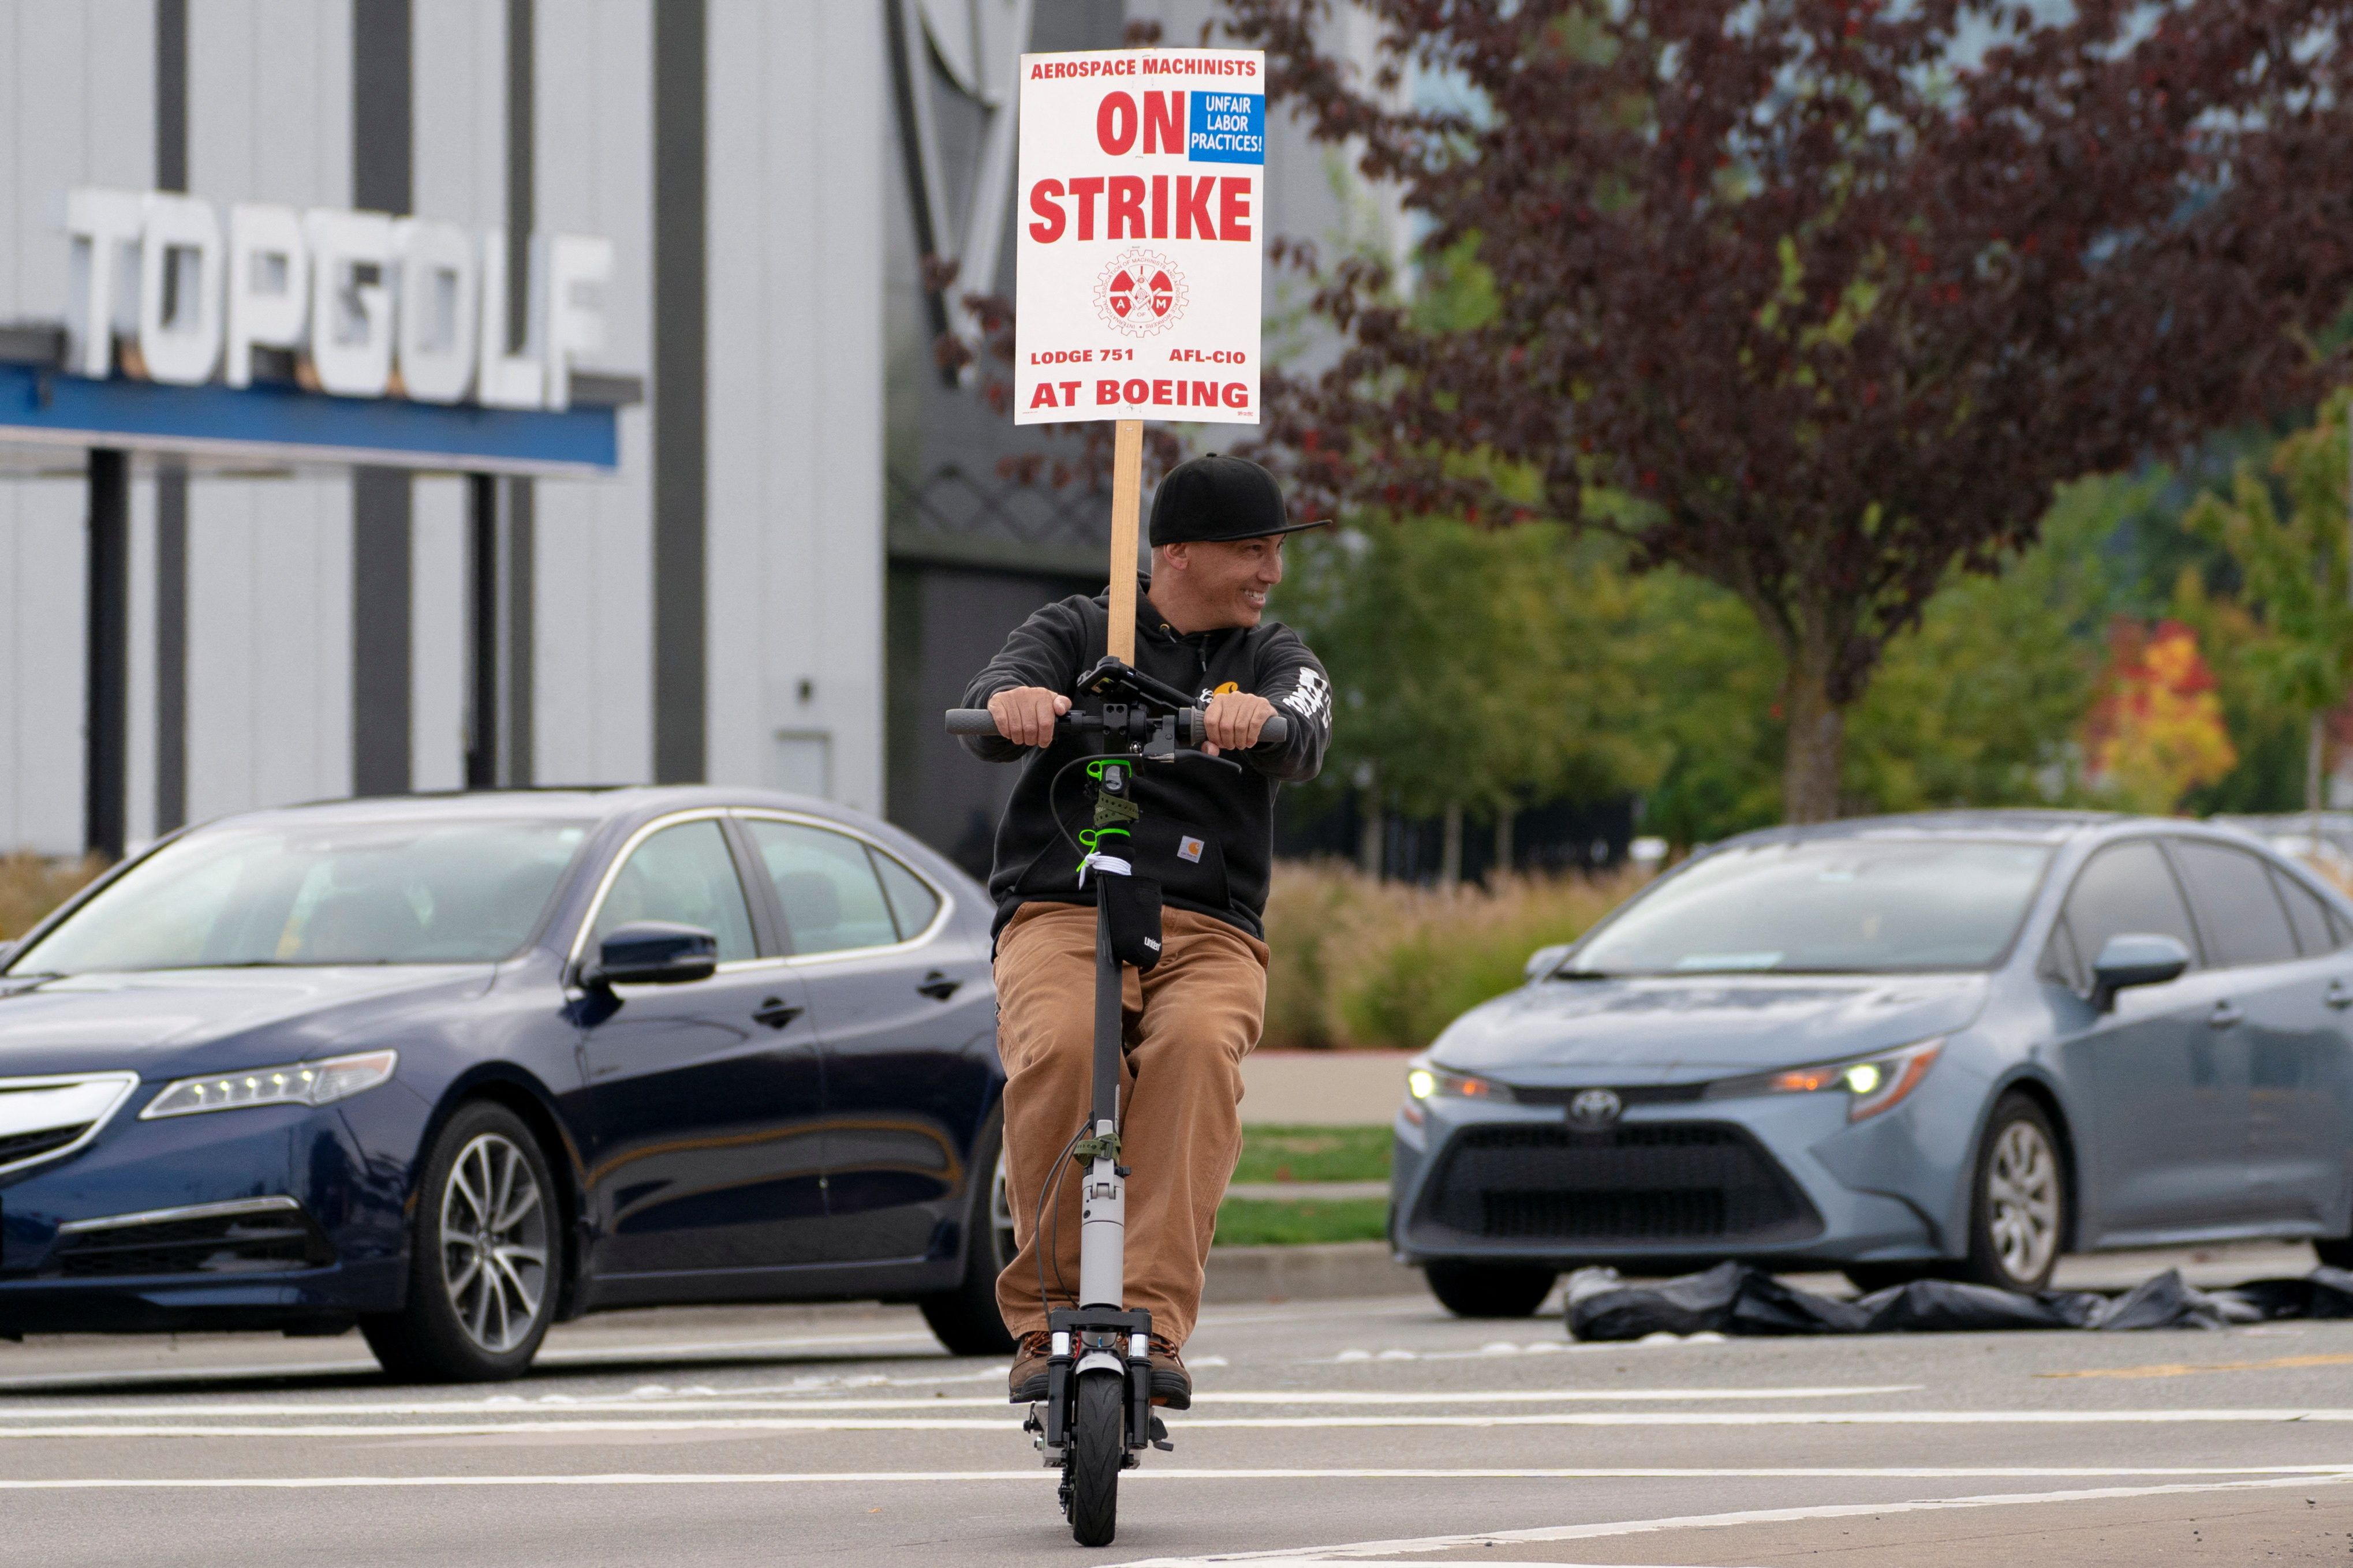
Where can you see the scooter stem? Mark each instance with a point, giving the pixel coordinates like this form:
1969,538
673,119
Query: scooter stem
1102,1202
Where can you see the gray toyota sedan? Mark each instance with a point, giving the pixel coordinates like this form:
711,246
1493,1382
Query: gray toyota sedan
1958,1044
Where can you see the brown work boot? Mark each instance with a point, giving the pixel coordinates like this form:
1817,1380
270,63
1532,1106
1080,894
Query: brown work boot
1026,1384
1172,1385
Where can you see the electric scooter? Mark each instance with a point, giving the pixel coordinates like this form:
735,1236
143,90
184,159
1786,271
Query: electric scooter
1097,1417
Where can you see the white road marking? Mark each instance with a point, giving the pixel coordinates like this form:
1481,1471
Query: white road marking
2289,1475
633,1402
1285,1557
485,1428
567,1354
701,1347
183,1373
818,1384
630,1420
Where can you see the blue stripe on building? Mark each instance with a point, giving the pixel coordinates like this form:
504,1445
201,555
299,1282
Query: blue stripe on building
284,425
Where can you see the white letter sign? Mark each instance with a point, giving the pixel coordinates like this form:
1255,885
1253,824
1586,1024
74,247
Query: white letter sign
351,301
180,290
438,302
105,227
268,285
368,304
1142,196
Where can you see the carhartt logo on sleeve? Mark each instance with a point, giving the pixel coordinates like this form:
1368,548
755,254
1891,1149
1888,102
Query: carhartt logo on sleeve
1190,850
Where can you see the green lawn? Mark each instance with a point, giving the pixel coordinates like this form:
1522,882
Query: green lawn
1252,1222
1314,1154
1307,1155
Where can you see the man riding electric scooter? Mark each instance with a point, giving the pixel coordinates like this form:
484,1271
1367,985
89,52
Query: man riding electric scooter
1204,834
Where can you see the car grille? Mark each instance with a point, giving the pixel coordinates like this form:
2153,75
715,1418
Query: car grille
49,1118
1633,1095
18,1146
272,1242
1647,1184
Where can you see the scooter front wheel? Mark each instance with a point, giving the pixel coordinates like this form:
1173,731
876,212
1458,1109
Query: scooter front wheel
1098,1440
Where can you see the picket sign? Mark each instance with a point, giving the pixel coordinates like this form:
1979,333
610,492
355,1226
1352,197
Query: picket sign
1138,257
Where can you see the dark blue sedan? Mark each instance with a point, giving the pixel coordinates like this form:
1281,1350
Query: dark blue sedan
453,1070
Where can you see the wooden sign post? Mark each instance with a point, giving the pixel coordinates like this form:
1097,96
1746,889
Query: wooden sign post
1138,264
1126,501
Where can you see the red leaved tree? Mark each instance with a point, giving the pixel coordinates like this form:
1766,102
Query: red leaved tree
1833,290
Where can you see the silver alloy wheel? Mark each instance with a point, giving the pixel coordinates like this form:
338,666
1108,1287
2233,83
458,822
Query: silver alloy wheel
2023,1200
1000,1215
494,1243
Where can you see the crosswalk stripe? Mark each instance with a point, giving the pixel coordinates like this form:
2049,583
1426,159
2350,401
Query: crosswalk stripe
1285,1557
1008,1422
513,1405
2289,1475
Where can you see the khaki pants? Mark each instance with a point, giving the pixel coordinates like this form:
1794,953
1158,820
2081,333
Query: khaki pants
1190,1019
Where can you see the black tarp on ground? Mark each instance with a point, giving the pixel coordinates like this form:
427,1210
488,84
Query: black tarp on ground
1734,1299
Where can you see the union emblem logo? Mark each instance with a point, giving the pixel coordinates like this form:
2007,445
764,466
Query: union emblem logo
1140,292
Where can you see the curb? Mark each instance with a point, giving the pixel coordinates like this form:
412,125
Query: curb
1325,1271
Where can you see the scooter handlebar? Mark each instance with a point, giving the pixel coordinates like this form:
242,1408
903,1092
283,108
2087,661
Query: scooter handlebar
1188,728
980,722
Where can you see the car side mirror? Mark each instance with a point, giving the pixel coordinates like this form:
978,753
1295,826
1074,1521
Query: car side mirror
652,953
2135,958
1545,960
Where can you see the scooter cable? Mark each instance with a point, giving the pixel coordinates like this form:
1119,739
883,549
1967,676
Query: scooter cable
1053,1242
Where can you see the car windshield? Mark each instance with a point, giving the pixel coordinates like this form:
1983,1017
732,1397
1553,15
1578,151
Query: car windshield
1826,906
341,892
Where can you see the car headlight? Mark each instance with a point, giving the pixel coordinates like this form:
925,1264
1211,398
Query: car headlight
302,1083
1872,1084
1436,1082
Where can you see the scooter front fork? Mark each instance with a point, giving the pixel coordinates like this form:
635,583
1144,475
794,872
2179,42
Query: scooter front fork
1088,1339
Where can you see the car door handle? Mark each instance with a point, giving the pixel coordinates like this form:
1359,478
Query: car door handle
774,1012
938,987
2224,1015
2338,995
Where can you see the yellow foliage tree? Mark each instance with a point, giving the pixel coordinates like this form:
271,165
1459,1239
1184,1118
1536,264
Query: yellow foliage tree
2157,733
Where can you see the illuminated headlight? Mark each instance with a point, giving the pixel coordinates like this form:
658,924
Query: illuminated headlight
1433,1082
303,1083
1872,1084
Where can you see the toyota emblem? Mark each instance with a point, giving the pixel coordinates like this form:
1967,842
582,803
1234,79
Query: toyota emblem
1595,1107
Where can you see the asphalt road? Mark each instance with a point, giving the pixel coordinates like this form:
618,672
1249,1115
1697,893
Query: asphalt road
1338,1431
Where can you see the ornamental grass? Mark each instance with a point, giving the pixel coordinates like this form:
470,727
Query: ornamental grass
1364,963
32,885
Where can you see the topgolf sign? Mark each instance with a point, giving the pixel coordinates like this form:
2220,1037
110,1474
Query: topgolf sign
1140,236
367,305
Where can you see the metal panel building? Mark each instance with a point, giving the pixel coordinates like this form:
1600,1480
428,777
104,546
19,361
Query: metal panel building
800,541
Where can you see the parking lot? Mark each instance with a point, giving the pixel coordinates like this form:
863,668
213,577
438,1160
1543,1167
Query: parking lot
1323,1431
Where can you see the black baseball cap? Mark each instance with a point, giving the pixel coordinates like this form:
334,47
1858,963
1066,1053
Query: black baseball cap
1219,497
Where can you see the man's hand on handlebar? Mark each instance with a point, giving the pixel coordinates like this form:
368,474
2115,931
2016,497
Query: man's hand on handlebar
1233,721
1025,715
1032,716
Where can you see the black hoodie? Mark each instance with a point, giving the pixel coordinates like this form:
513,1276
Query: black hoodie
1208,832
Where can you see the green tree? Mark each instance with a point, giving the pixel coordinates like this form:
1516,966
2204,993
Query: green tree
2293,567
1475,670
1843,288
1710,678
1980,703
